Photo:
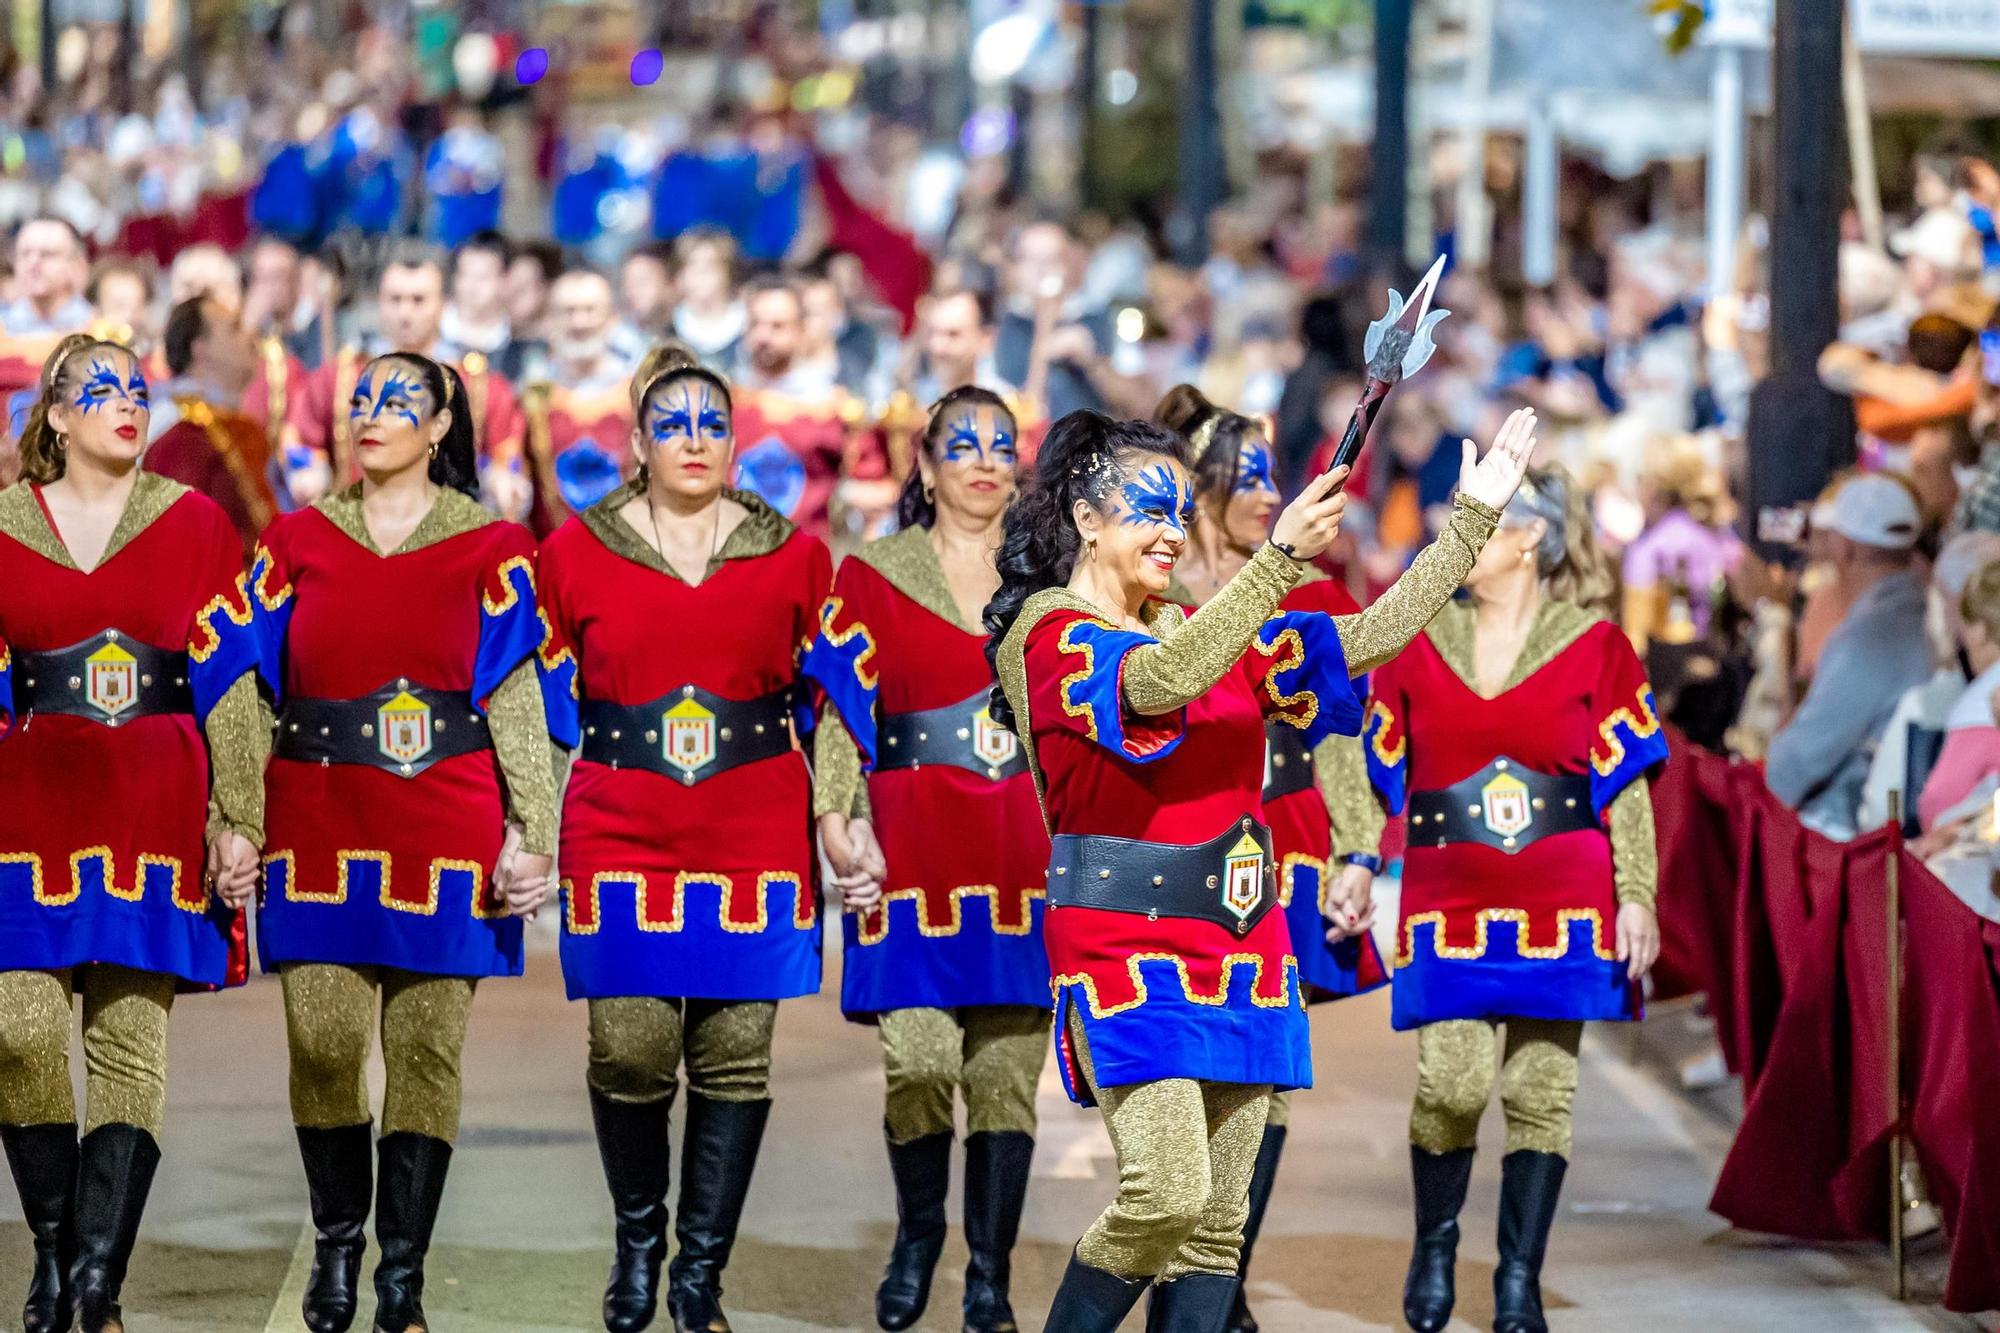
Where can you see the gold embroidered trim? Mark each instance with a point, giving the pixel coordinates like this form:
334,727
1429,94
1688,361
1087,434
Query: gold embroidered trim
1406,943
841,638
1289,998
1288,868
873,924
762,531
1643,724
908,562
107,869
1086,711
34,863
511,595
1294,646
481,909
1388,755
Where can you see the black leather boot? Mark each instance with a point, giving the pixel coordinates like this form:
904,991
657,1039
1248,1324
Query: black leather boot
340,1181
1194,1303
922,1171
114,1173
1430,1289
1262,1177
43,1159
717,1157
409,1187
632,1142
996,1187
1091,1300
1530,1184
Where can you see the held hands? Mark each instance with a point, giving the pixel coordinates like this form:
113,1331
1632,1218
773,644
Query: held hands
1312,520
1492,480
856,858
232,868
1349,908
525,880
1638,939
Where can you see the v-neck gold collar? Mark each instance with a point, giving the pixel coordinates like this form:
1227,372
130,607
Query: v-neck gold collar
911,565
451,514
762,531
23,519
1556,626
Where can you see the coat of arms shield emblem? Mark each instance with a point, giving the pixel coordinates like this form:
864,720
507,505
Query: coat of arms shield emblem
687,737
111,679
1243,882
403,728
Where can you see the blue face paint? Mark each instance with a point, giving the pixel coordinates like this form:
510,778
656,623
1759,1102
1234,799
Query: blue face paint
1253,469
962,443
102,383
397,398
687,409
1159,497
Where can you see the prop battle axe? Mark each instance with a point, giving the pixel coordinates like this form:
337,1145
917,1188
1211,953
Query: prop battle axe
1397,346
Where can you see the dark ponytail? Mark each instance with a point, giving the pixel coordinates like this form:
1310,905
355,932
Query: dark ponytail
456,462
1080,460
1215,435
914,509
41,449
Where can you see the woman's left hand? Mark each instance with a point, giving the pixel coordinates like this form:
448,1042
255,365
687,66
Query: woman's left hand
1350,903
1492,480
232,869
1638,939
529,884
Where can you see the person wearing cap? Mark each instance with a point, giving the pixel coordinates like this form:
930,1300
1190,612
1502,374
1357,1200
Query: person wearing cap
1819,762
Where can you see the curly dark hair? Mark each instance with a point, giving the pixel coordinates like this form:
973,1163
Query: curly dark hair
1082,459
914,509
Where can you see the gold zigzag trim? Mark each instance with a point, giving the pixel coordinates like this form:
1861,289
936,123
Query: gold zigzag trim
1389,757
1064,644
1230,963
1407,937
1641,725
511,594
935,931
1295,657
840,638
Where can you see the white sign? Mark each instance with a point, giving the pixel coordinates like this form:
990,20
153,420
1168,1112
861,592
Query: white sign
1969,29
1736,22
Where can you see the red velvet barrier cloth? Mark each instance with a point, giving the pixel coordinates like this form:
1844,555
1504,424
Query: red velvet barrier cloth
1788,933
218,219
893,260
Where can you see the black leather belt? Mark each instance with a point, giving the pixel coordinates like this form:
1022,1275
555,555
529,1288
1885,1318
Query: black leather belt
110,678
1230,880
401,728
1288,764
963,735
688,734
1505,805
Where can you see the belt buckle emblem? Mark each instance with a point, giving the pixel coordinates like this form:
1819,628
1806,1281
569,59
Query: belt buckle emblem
403,728
687,737
1504,801
111,679
1243,880
992,742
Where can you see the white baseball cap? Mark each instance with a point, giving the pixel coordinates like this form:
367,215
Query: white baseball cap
1876,510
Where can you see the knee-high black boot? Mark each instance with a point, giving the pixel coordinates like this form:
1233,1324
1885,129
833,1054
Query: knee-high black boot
1091,1300
340,1181
43,1159
1530,1184
1430,1289
1262,1178
632,1141
922,1171
408,1189
996,1187
1193,1303
114,1174
717,1157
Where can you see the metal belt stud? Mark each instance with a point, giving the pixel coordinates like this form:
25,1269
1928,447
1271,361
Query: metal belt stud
402,682
368,730
1104,874
144,679
76,682
652,735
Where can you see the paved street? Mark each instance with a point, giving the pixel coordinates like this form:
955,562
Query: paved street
526,1227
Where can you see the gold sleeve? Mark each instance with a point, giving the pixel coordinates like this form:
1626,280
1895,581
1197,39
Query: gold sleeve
838,784
239,745
1185,664
1635,855
520,734
1374,636
1341,771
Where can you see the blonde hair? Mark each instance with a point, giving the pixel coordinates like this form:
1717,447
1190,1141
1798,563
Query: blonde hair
1574,567
665,359
1979,604
42,449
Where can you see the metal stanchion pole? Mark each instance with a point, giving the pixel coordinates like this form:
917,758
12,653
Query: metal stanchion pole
1894,1004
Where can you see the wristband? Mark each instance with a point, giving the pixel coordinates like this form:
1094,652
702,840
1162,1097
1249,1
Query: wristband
1290,553
1366,860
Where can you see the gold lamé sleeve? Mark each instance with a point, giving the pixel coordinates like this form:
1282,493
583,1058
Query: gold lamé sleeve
520,734
1635,856
838,784
239,744
1341,771
1180,668
1400,614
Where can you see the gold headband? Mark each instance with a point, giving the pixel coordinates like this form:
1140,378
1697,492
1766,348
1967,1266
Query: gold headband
55,376
1204,434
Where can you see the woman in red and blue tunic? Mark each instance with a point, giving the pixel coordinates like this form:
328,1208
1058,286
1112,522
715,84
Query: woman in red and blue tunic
411,811
1325,824
679,609
1518,732
1178,1005
944,929
118,662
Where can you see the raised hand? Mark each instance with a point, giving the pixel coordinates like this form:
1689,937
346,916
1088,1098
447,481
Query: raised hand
1492,480
1312,520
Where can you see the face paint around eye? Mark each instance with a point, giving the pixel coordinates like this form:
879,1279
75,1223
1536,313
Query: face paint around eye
1156,496
1253,471
101,383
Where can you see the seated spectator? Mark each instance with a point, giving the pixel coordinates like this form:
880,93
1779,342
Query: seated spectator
1686,551
1819,761
1971,752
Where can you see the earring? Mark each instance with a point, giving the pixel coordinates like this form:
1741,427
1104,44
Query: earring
930,493
434,448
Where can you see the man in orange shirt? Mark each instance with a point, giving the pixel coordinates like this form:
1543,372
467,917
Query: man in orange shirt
214,446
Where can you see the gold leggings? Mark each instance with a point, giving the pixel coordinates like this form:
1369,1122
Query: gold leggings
329,1022
637,1043
1186,1149
993,1051
124,1046
1455,1079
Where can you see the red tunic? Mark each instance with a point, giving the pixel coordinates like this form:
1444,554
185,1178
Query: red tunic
222,454
793,453
704,891
960,920
101,827
1487,933
580,443
363,865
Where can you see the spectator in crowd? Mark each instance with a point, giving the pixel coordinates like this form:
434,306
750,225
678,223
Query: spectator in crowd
1329,354
272,297
1979,501
854,354
476,319
578,409
709,318
1969,761
121,291
50,271
205,270
1819,761
535,264
646,294
958,341
212,444
1686,552
1048,310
